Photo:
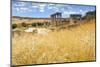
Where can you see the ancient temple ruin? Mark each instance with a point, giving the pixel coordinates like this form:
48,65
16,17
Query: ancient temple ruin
75,18
56,19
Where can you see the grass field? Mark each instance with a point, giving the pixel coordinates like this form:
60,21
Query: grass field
67,45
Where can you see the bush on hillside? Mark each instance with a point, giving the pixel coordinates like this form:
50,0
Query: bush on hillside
14,26
24,24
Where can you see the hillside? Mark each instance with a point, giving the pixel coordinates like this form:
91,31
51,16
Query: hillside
66,45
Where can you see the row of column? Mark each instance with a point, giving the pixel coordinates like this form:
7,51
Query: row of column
56,19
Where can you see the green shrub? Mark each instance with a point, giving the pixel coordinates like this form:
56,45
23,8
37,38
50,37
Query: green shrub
14,26
24,24
34,24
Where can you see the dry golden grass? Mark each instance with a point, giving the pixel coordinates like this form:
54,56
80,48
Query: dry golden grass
68,45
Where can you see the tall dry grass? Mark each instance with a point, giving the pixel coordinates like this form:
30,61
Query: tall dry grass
68,45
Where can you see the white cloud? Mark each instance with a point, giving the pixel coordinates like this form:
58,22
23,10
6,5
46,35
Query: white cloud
67,13
54,7
34,6
22,9
59,8
20,4
51,6
39,6
17,9
81,10
42,7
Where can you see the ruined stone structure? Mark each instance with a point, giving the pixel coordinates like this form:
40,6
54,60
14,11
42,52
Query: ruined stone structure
75,18
56,19
90,15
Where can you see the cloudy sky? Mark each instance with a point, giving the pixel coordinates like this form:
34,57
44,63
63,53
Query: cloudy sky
43,10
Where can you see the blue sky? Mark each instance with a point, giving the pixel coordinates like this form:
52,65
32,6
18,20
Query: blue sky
44,10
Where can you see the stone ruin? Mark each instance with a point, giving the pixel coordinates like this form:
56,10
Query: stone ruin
56,19
75,18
